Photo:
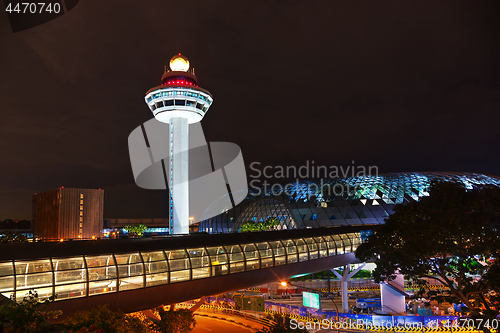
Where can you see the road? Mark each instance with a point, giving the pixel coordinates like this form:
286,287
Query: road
207,324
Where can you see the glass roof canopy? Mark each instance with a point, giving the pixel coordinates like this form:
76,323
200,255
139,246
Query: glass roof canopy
391,188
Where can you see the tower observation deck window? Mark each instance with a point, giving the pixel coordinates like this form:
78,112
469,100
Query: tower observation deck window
169,102
180,102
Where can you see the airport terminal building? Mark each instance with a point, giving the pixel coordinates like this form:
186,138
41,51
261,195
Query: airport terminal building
360,200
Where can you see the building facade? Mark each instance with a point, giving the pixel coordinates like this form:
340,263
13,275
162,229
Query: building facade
360,200
67,213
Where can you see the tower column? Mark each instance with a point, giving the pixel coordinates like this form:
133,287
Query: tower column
179,175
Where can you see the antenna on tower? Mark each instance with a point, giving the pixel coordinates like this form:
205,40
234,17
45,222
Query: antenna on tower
164,69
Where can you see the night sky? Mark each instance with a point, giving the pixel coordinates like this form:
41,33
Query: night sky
403,85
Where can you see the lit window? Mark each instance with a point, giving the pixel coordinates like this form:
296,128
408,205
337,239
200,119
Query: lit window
81,213
81,196
81,218
81,202
81,225
81,207
80,230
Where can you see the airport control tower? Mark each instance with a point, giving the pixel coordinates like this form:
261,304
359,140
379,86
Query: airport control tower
178,101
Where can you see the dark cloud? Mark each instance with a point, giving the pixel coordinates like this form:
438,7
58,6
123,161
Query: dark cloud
407,86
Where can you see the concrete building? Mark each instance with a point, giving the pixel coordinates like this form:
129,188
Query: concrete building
67,213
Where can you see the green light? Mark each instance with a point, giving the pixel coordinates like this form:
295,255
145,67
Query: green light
311,300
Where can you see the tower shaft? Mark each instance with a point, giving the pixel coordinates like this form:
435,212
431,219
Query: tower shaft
179,175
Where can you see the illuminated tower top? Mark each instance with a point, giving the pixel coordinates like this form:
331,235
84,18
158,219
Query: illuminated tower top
178,95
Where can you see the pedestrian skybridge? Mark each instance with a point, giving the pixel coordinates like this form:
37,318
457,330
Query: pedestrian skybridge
138,274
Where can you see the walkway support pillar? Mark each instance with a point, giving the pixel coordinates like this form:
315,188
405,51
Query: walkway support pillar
344,279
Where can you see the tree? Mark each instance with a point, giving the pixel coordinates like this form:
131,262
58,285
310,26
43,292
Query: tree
137,229
272,222
102,319
451,236
27,316
248,226
175,321
13,237
268,224
282,324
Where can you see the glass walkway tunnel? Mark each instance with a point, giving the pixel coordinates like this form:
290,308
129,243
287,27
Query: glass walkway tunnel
138,274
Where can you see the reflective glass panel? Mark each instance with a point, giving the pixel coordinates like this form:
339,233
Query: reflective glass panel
279,260
98,261
179,264
250,251
102,273
34,280
156,279
127,258
338,244
355,240
77,275
267,262
70,291
128,283
196,252
301,245
178,276
237,267
61,264
290,246
34,266
153,256
252,265
6,283
200,262
156,267
130,270
217,255
43,293
178,254
265,250
347,243
102,287
6,268
278,248
199,273
234,253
